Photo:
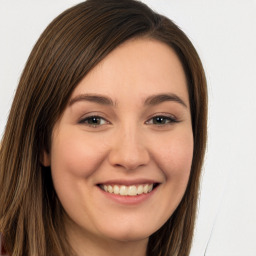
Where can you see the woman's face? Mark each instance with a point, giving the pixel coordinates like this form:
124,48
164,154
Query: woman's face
122,150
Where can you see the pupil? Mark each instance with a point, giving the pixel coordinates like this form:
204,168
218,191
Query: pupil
95,120
159,120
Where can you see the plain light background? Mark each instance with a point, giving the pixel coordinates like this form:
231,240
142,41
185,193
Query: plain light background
224,33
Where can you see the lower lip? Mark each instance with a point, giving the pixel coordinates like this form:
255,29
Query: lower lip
129,200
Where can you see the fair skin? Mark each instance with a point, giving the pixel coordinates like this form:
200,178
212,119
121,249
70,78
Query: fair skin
127,127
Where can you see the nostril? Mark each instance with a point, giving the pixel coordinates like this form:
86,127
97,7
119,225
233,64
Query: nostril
128,155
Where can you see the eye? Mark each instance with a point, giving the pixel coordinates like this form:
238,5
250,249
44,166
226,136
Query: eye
162,120
93,121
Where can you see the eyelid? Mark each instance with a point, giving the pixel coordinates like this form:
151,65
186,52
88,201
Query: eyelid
172,119
93,115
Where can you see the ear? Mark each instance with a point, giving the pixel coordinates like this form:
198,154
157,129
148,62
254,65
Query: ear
45,159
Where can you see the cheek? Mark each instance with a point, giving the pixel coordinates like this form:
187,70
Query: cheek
175,156
74,159
75,155
175,160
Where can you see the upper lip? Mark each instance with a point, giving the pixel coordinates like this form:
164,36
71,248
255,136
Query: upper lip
128,182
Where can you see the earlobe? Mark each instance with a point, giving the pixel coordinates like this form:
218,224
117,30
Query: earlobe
45,159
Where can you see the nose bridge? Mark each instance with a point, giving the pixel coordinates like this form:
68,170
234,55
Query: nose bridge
129,149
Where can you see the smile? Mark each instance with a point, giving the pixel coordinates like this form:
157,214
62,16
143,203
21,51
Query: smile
132,190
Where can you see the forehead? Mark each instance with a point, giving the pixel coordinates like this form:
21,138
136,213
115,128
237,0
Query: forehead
137,68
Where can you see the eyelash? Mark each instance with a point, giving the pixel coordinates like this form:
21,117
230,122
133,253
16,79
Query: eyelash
169,120
90,118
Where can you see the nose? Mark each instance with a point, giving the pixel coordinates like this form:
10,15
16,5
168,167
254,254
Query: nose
129,150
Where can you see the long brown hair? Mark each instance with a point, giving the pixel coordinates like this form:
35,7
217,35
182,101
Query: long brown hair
77,40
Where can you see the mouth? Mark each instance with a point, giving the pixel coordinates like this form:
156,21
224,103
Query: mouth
132,190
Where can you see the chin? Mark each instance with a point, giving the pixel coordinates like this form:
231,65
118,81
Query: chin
129,237
129,234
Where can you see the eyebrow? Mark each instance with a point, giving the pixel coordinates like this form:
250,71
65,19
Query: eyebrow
150,101
100,99
160,98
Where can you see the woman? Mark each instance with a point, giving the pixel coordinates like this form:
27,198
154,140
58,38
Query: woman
106,136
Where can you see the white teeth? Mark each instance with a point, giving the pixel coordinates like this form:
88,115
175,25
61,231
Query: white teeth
128,190
116,190
123,191
132,191
145,189
110,189
140,189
